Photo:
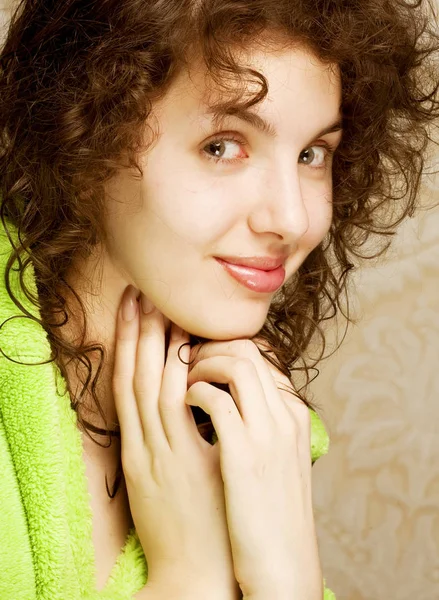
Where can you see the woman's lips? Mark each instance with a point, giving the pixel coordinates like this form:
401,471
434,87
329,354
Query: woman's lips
255,279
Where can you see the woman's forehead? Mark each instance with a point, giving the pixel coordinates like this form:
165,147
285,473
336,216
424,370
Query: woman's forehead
292,74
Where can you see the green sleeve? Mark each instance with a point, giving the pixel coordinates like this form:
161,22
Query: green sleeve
328,595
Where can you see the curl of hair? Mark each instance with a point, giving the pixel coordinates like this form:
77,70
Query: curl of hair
78,80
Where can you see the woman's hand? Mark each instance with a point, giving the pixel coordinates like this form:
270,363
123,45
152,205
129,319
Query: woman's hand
264,440
172,474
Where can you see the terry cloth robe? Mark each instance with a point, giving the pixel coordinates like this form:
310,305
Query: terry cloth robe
46,548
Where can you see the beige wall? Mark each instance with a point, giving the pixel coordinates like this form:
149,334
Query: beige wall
377,491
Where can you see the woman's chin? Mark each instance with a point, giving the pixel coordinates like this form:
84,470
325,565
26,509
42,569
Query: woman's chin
225,332
231,327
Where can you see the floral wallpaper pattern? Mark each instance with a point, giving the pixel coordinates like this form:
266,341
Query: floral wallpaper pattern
376,493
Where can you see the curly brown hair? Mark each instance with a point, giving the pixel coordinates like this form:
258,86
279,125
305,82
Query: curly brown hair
78,81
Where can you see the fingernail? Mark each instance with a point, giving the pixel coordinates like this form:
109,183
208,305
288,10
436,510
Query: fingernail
129,304
147,305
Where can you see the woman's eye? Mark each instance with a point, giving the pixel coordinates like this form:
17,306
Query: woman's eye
226,150
316,156
223,149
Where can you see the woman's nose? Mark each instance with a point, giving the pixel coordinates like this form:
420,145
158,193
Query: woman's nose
281,208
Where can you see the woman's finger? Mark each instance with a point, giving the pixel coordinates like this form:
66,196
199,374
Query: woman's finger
246,348
150,360
127,333
223,413
177,419
245,387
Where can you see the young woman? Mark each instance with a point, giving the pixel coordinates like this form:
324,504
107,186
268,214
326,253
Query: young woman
192,183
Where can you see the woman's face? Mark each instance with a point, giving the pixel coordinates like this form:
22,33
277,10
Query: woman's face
254,195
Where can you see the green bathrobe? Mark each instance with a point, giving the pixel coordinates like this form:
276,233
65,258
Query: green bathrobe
46,549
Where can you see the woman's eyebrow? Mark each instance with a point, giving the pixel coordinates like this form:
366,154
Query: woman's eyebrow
219,115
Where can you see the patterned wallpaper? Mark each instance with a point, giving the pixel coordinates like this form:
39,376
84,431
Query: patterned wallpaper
376,493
